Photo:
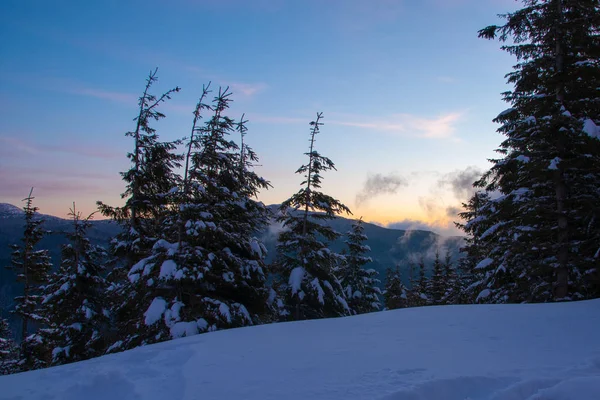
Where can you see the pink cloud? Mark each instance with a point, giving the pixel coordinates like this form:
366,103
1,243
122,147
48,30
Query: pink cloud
440,127
117,97
13,147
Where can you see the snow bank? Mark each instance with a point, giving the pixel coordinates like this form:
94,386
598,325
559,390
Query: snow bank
480,352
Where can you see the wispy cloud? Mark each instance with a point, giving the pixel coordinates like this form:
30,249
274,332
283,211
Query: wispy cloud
247,89
378,184
13,147
117,97
461,182
275,119
440,127
239,88
442,227
69,86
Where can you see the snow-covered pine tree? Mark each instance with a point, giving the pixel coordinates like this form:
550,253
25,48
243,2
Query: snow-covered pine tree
9,351
395,293
211,275
150,198
542,243
436,285
75,307
417,294
32,266
475,225
452,282
360,285
307,265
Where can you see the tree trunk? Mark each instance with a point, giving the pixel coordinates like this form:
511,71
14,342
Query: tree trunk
561,288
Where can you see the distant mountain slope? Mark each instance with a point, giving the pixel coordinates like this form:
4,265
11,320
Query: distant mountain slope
8,211
389,247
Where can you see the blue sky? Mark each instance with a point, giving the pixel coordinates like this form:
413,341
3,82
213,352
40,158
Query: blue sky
407,89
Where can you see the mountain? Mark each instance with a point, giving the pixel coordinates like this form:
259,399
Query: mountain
477,352
389,247
9,211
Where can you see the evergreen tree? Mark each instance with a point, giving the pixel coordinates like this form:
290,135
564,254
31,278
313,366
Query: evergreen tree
472,279
8,349
395,293
311,289
417,295
32,266
542,240
210,275
74,304
150,198
452,282
360,285
436,286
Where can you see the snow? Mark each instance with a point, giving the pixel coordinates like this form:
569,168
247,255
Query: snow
182,329
554,163
506,112
522,158
476,352
484,263
224,311
296,277
155,311
167,269
591,128
320,293
485,293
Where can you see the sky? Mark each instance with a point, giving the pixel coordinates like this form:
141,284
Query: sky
407,89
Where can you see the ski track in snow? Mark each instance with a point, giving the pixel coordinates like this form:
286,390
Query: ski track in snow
480,352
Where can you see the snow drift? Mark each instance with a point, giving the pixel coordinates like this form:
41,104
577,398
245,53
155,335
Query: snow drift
495,352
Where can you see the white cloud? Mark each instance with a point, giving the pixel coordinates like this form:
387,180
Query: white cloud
440,127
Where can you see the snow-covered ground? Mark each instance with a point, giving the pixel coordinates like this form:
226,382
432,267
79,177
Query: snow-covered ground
505,352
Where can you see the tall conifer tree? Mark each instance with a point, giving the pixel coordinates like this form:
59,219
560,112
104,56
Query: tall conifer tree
541,243
74,306
150,198
305,261
32,266
360,284
395,293
8,349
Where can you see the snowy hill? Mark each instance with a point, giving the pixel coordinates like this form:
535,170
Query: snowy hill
9,211
502,352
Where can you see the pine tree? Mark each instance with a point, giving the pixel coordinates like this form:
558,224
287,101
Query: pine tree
151,191
452,282
211,274
74,305
395,293
417,294
32,266
436,286
311,288
476,224
542,240
360,285
8,349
